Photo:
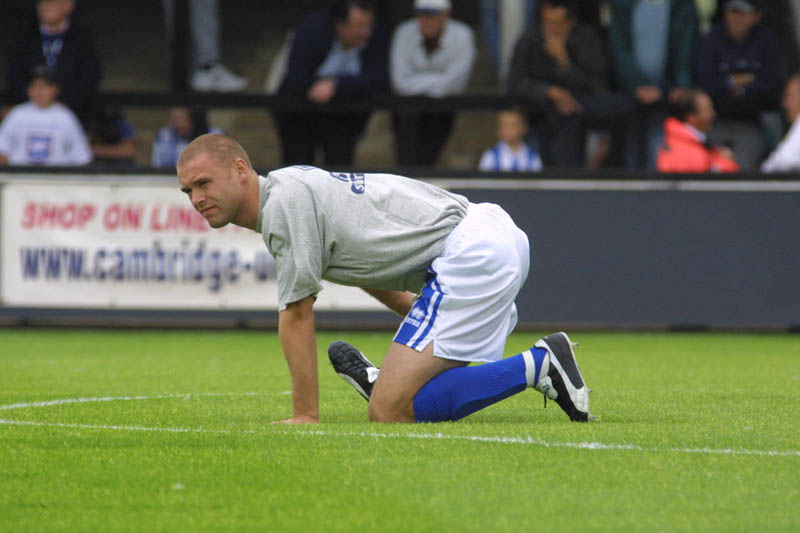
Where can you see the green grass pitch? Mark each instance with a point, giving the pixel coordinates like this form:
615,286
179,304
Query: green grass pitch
170,431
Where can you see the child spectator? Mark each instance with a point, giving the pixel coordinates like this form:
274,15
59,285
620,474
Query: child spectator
511,153
184,125
43,131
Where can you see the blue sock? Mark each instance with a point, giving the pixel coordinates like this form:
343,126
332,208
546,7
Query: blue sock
459,392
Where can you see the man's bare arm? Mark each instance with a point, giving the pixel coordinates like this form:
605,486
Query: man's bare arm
398,301
297,333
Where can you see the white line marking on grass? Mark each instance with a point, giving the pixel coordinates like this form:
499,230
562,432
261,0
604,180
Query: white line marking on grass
67,401
595,446
531,441
114,428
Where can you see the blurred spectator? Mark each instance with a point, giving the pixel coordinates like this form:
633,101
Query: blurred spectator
560,66
431,55
591,12
740,67
511,153
500,27
336,55
780,16
653,46
64,47
786,157
492,27
686,147
112,138
43,131
208,72
794,9
184,125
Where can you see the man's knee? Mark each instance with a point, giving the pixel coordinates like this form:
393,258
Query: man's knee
389,411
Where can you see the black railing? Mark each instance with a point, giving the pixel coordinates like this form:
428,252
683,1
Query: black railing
550,174
466,102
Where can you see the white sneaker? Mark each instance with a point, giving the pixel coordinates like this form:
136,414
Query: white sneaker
217,78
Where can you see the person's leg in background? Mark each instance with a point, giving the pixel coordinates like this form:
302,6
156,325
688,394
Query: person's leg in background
208,72
297,140
654,124
339,135
563,139
204,25
490,20
614,113
407,126
434,132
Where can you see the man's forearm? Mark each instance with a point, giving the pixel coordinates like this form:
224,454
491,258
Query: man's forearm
398,301
297,334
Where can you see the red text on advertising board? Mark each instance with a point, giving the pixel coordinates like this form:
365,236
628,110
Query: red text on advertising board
122,217
174,218
57,216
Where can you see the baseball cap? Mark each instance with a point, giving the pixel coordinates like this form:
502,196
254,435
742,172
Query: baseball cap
748,6
431,6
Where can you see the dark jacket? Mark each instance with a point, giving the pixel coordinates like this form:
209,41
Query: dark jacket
77,69
533,71
312,41
759,54
683,39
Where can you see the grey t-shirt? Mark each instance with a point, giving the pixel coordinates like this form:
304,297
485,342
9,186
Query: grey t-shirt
376,231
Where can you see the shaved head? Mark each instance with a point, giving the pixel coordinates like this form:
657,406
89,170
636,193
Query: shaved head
219,147
216,174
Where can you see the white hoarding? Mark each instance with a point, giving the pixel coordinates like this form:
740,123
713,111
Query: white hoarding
67,243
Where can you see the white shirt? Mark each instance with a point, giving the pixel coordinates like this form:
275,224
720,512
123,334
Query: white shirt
501,158
30,135
786,156
446,71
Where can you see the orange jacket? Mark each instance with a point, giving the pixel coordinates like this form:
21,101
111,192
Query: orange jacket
682,151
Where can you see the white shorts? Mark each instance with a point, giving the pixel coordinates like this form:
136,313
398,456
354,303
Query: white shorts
466,307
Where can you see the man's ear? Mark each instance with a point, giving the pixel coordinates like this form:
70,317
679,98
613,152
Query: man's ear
241,168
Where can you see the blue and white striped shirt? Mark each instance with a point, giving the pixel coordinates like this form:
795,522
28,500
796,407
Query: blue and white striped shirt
501,158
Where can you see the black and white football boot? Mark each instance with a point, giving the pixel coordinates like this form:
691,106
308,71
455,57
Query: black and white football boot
560,378
353,367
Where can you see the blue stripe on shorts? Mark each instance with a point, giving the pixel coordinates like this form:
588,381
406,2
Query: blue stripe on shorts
420,319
